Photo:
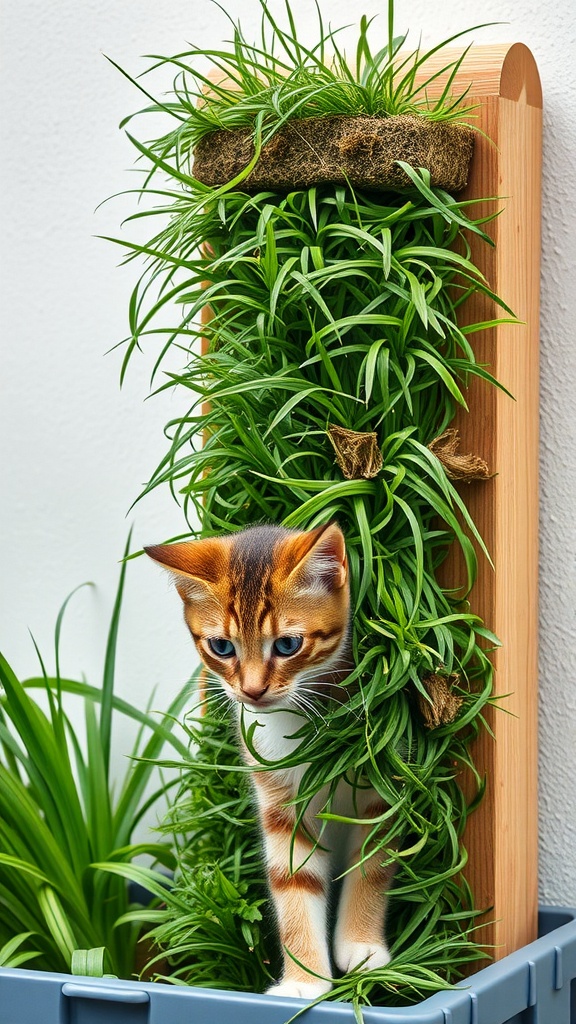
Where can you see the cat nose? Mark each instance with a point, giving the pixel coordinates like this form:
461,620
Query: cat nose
254,688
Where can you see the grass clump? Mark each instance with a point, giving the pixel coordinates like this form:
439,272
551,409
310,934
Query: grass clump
265,84
66,833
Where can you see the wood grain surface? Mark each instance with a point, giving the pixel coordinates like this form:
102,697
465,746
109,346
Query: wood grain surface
502,836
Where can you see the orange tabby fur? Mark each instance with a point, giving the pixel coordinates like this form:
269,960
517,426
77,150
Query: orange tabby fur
248,600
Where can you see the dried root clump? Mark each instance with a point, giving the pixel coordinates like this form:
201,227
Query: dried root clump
443,704
357,454
458,466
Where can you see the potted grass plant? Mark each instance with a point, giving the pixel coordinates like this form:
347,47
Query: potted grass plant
64,822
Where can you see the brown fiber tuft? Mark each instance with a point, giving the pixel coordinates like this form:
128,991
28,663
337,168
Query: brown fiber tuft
443,705
458,466
357,454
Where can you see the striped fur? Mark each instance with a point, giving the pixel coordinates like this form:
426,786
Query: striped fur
255,593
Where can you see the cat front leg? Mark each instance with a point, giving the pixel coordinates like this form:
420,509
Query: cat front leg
298,881
359,940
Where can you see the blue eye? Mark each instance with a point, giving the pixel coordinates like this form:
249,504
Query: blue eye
222,648
284,646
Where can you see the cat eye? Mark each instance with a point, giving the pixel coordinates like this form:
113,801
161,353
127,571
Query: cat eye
284,646
221,647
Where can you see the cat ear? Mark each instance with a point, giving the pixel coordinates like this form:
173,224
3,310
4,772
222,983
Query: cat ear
198,565
318,559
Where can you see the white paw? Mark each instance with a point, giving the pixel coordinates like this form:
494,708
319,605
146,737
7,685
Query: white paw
309,990
363,955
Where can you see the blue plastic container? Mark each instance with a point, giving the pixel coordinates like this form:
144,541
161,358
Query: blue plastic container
536,985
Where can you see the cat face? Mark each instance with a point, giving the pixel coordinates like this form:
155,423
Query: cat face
267,608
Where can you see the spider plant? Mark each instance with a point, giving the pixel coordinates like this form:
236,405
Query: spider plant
60,813
12,956
328,307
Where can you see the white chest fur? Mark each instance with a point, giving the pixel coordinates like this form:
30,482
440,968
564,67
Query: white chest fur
274,736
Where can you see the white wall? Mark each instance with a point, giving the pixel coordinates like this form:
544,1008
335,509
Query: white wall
75,450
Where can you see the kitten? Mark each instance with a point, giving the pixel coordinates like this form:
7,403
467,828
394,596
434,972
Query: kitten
268,610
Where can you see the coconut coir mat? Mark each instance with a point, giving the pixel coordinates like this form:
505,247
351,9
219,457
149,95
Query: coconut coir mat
360,150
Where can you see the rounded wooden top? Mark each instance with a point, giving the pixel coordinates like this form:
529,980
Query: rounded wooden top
500,69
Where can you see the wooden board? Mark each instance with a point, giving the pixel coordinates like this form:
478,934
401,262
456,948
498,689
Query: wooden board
502,836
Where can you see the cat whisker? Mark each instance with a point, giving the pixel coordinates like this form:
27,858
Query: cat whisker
307,703
301,697
296,701
215,690
314,693
212,680
317,692
324,675
216,696
304,686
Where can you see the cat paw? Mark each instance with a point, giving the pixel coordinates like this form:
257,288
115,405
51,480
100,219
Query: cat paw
365,956
309,990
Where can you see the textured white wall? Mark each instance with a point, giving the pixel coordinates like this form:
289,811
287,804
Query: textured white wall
75,450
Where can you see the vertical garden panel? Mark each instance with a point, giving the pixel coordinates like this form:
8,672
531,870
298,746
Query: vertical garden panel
502,835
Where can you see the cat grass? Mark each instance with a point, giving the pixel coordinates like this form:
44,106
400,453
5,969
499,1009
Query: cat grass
261,86
329,308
